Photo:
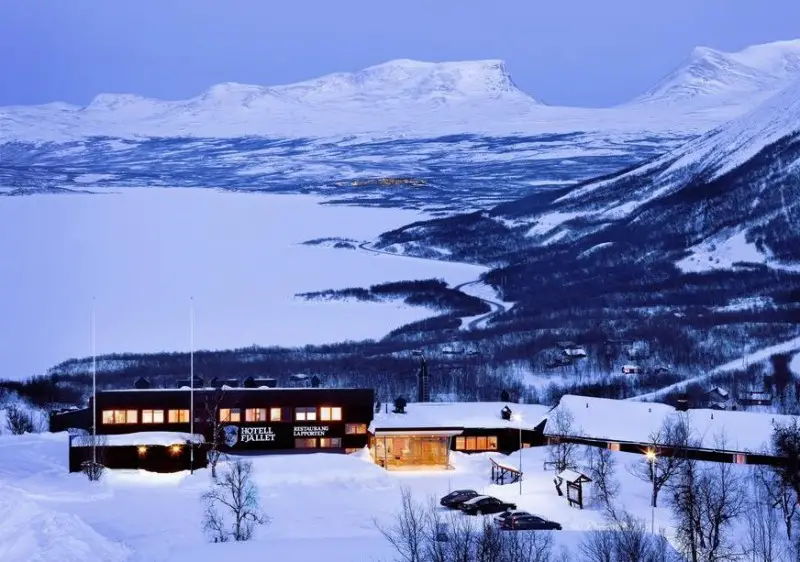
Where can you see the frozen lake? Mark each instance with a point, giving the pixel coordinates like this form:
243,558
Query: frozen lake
142,253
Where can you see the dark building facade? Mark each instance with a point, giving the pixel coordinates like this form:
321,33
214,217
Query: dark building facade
253,419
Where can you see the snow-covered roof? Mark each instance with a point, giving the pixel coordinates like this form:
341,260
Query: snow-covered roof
448,415
153,438
573,476
629,421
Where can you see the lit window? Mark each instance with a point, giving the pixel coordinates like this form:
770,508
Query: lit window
230,415
152,416
255,414
305,414
275,414
132,416
355,428
491,443
178,416
613,446
120,416
460,446
305,443
350,450
108,416
327,413
480,443
330,442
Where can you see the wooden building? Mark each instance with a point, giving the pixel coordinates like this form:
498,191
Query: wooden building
254,419
424,435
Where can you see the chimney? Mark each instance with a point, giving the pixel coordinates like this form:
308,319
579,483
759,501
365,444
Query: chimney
423,383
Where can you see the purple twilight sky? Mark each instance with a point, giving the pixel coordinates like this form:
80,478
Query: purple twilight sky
566,52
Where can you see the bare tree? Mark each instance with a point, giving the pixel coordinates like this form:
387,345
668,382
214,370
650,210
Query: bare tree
407,532
419,534
667,450
625,541
764,542
215,430
561,452
784,481
232,508
770,485
18,420
601,468
706,502
94,466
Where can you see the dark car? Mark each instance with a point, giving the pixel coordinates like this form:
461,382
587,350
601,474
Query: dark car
500,517
529,523
454,499
485,504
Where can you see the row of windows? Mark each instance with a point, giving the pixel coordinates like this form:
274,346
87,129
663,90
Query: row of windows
326,413
321,443
111,417
485,443
232,415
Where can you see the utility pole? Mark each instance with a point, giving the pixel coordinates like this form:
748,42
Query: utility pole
94,389
191,385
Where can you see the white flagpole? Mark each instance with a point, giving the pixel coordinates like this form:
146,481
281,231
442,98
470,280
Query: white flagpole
94,390
191,383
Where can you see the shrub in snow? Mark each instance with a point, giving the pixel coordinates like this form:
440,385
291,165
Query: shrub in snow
19,420
93,467
232,509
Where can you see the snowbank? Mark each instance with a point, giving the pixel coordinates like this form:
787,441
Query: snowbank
153,438
34,533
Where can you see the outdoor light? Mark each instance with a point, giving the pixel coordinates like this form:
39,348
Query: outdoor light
142,450
651,455
176,449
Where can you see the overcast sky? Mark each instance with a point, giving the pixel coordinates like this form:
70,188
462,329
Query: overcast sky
566,52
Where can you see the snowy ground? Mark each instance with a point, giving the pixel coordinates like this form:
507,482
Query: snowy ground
320,505
142,253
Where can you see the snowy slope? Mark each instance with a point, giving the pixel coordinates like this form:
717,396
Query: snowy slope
710,77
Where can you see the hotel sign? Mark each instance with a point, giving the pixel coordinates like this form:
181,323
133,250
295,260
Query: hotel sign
249,434
311,430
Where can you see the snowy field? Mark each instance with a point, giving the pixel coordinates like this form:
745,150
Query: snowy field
321,506
142,253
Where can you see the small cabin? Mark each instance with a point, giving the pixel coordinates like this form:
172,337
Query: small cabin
631,369
264,382
756,399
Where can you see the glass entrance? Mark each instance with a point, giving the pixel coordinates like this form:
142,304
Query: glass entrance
405,451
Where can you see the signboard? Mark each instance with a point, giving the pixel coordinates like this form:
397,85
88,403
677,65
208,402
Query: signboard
235,434
256,434
311,430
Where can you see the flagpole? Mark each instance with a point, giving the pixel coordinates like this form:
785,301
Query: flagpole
191,384
94,390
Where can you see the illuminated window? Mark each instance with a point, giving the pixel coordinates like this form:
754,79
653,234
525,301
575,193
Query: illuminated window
120,416
327,413
255,414
355,428
152,416
305,414
613,446
230,415
178,416
330,442
275,414
487,443
352,450
305,443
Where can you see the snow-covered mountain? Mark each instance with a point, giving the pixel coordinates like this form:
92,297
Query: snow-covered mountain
406,98
731,195
395,97
710,77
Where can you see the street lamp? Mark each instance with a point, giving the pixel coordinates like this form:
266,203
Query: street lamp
650,455
518,418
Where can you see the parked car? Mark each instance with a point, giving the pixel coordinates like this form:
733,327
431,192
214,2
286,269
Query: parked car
482,505
529,523
500,517
454,499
